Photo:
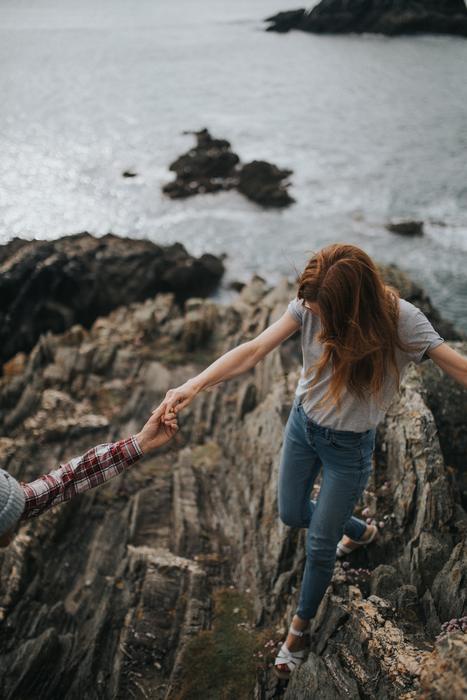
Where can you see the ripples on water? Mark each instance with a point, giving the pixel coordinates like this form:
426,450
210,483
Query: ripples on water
372,127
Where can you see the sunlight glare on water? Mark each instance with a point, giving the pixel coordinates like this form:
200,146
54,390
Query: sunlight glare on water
372,127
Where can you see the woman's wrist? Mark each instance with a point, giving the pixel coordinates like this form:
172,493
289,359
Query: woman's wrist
195,385
141,442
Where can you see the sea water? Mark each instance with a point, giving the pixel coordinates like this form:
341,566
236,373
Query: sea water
374,128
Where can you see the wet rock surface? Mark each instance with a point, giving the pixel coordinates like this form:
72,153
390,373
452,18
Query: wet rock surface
376,16
102,597
212,166
51,285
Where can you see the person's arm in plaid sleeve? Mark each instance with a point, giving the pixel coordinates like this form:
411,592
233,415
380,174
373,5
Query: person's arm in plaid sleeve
97,465
93,468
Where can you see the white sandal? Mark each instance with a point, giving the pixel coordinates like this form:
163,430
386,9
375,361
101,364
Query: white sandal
343,549
291,659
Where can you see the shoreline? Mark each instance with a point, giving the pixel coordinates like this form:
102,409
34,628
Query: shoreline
54,284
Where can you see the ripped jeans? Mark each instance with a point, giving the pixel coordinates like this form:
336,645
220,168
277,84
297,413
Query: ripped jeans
346,460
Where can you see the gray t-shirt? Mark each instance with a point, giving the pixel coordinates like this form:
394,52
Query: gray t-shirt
356,414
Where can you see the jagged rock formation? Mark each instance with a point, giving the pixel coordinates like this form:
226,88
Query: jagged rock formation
212,166
448,403
51,285
102,597
389,17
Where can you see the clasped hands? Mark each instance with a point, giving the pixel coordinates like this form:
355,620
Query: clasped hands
157,431
162,425
175,401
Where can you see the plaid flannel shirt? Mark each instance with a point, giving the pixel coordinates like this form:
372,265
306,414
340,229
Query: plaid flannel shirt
93,468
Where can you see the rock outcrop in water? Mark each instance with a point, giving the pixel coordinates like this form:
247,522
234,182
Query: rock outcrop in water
212,166
105,596
262,183
376,16
406,227
51,285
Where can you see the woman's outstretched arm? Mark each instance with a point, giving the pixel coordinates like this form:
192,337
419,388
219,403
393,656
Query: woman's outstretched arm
450,361
232,363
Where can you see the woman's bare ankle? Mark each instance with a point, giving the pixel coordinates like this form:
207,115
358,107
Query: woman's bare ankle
293,641
299,623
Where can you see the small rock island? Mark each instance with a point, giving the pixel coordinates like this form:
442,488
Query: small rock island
390,17
211,166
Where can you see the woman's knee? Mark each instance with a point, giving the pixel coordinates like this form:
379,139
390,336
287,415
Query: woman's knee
290,517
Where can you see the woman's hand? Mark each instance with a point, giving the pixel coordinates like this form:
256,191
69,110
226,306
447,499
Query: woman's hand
157,432
231,364
177,399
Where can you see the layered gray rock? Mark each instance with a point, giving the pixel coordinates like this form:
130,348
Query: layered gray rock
102,597
448,402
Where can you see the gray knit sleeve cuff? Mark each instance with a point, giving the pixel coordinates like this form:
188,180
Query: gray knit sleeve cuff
12,500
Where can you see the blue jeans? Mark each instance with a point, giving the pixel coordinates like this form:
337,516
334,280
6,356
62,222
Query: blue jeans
346,460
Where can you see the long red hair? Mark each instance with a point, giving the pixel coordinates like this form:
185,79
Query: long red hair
359,315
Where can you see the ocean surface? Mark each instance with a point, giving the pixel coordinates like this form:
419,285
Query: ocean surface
373,128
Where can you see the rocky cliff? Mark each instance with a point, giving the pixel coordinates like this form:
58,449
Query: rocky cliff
179,576
390,17
51,285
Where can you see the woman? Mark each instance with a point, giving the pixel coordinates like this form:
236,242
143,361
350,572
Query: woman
357,336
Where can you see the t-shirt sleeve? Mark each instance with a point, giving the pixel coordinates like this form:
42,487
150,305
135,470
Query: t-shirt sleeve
296,310
420,335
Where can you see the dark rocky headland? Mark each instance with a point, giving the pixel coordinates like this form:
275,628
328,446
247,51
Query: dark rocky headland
390,17
212,166
51,285
175,580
